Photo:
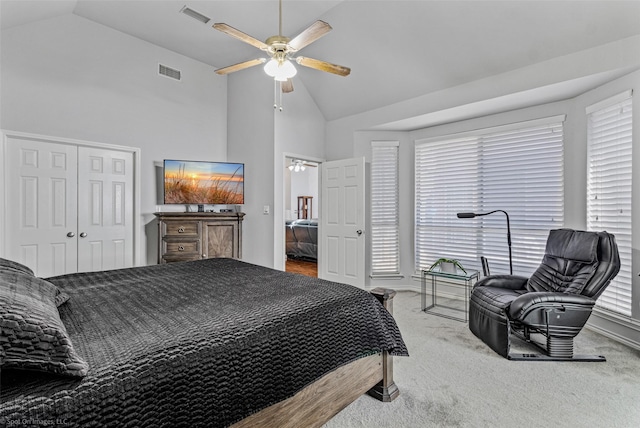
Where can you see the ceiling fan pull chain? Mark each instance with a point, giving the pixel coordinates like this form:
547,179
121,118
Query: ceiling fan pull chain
280,96
275,94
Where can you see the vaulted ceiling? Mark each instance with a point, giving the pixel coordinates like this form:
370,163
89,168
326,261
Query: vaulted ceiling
397,50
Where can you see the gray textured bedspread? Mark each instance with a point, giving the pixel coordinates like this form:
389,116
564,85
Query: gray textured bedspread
190,344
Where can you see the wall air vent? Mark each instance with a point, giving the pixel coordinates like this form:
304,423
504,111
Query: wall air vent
195,15
172,73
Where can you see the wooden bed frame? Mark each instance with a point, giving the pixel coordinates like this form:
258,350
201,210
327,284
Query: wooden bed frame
320,401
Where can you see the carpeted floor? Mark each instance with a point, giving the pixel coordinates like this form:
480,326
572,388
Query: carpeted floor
452,379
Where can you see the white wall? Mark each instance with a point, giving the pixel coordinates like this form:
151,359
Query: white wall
362,148
70,77
490,95
300,133
485,103
262,137
621,329
251,140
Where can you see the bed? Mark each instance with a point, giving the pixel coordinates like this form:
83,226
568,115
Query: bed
205,343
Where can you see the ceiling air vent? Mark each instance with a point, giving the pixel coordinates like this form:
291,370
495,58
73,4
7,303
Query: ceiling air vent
195,15
172,73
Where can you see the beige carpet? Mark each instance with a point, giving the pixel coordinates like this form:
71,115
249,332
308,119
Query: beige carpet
453,380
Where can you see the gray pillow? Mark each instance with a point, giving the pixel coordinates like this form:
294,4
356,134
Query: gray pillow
32,335
10,265
7,265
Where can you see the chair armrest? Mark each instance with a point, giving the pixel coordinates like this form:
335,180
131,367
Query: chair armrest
522,304
511,282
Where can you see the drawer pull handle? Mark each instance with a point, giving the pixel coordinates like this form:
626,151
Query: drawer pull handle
180,248
181,229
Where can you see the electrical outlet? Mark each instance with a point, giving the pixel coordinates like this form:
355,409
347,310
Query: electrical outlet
265,210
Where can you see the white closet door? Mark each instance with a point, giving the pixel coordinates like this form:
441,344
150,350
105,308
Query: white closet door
105,211
41,205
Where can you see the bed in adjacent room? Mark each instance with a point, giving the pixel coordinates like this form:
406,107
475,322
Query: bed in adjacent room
205,343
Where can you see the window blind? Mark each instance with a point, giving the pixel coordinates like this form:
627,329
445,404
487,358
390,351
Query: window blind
609,136
517,168
385,245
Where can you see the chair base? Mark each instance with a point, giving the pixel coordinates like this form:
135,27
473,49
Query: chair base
557,349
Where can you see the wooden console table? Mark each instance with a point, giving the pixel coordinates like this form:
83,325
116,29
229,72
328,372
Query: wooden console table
195,236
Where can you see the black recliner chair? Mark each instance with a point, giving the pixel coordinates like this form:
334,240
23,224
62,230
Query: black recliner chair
555,302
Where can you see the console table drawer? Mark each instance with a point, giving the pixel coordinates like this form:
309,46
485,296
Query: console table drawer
181,228
181,247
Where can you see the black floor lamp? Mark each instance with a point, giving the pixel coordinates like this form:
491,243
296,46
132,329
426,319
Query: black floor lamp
472,215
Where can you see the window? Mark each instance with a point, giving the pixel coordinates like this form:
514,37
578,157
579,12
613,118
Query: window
385,249
609,136
516,168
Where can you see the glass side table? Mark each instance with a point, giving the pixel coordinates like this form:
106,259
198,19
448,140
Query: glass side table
469,279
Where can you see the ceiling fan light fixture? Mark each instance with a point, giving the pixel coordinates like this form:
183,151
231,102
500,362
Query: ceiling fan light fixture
280,70
280,49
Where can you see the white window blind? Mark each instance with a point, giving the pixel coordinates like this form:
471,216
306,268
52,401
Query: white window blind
609,135
385,245
518,169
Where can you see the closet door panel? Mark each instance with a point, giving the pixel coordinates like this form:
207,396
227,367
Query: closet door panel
41,210
105,215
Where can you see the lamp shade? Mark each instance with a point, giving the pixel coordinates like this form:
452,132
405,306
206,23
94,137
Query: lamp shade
280,71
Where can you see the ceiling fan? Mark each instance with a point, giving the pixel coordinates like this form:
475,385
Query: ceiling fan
297,165
281,50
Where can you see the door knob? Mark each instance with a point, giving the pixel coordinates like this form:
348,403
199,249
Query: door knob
359,232
83,235
71,235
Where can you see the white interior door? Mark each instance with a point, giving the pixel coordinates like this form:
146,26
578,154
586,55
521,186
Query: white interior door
67,207
105,199
342,240
41,210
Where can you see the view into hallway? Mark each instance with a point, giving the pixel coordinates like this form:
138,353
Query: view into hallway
301,214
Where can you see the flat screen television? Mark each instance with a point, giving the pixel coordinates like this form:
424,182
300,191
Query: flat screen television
200,183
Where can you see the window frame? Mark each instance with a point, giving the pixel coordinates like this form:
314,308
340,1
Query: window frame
610,121
468,239
385,212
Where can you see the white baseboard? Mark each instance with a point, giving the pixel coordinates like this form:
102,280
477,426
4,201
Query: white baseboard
617,327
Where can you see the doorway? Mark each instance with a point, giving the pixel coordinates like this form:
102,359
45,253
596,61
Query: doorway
301,211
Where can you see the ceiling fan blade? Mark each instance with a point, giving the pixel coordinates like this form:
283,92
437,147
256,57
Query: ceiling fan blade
310,35
323,66
287,86
233,32
240,66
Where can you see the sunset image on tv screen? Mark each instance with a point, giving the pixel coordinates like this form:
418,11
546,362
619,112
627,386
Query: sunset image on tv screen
193,182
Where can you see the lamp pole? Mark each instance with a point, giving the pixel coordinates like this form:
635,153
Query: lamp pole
472,215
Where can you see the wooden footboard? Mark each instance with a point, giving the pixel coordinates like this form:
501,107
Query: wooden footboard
317,403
